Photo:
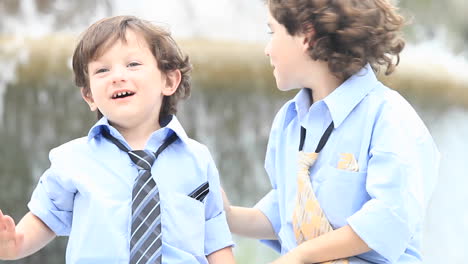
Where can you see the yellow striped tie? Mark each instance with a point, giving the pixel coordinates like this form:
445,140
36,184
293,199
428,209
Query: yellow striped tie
309,221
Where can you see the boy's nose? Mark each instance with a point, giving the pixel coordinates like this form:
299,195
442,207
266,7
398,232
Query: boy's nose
267,49
119,74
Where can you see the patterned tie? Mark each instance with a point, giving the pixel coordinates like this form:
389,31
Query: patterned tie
309,220
146,236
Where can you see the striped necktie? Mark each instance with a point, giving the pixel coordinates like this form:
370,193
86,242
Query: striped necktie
309,221
146,235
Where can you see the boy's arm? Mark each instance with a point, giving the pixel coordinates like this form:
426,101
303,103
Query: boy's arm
250,222
30,235
340,243
222,256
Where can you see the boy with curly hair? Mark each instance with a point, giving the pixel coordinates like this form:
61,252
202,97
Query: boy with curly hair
351,164
137,189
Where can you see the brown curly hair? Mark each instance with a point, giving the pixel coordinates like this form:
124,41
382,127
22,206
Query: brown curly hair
99,36
348,33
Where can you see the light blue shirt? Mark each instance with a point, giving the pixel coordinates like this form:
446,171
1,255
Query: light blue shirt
87,191
385,201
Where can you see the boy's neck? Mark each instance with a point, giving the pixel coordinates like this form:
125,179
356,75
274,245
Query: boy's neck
137,137
322,81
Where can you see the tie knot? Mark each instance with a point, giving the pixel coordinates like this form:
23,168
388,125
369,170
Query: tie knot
306,160
144,159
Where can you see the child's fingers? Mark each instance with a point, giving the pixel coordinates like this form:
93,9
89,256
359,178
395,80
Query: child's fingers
8,237
19,239
2,221
9,224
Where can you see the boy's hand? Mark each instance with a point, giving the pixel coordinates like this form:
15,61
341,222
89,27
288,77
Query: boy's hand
245,221
10,241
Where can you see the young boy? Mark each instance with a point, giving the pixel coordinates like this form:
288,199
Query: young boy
366,168
137,189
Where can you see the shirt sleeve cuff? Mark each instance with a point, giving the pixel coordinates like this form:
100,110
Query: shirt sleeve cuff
268,205
382,229
42,207
217,234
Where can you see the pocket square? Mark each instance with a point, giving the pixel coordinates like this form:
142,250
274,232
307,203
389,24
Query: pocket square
200,192
348,162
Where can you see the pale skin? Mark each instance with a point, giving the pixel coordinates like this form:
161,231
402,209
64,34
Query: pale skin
294,68
29,236
136,120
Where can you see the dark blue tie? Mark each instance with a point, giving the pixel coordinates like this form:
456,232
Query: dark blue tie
146,236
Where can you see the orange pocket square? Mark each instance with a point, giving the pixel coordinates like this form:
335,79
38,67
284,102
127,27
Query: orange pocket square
348,162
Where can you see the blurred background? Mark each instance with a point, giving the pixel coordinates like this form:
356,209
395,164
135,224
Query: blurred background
233,103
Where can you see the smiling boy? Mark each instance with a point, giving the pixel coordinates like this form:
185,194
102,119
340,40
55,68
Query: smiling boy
137,189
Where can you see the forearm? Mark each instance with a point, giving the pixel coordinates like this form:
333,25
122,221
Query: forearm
340,243
222,256
36,234
250,222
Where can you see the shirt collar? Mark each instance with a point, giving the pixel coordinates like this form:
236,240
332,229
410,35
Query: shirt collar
171,123
174,125
303,101
298,106
349,94
340,102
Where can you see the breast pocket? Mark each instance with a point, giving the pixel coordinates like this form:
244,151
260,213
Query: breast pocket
183,222
341,193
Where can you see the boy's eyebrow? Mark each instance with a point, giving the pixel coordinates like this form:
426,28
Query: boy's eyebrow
93,64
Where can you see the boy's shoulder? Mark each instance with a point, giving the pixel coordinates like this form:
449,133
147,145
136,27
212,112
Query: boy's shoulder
196,148
393,110
390,102
71,147
189,145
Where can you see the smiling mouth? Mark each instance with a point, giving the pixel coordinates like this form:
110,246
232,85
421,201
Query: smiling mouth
122,95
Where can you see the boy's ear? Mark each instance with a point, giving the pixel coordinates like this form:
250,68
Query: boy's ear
88,97
309,36
173,79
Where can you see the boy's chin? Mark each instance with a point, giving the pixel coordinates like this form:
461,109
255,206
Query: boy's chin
286,88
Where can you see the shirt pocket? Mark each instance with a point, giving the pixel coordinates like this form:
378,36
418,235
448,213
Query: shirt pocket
341,193
183,222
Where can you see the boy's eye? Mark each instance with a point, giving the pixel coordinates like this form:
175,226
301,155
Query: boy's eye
101,70
133,64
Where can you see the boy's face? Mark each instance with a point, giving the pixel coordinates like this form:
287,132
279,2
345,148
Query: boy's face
127,85
287,55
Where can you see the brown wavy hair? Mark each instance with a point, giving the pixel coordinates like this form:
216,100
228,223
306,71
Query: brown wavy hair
348,33
102,34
